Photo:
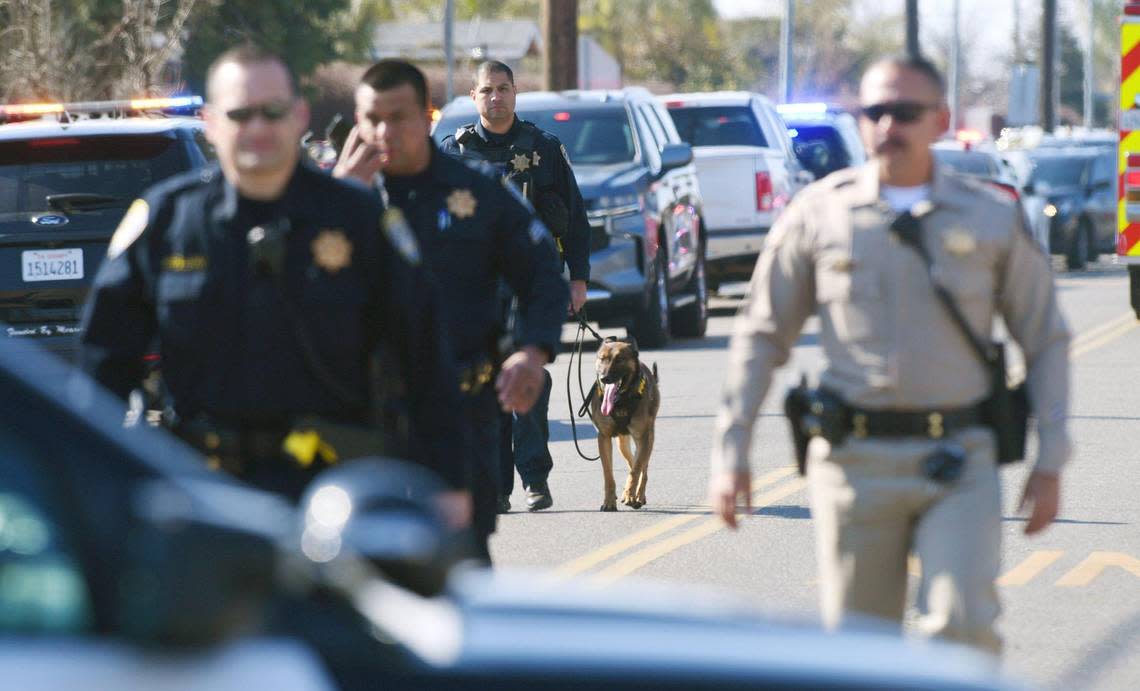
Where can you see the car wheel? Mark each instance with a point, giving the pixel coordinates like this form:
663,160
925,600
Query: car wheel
692,320
1080,248
651,324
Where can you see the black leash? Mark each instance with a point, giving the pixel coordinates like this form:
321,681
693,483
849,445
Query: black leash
579,343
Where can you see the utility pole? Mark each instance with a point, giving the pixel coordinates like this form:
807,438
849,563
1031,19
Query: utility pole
1089,68
787,38
912,48
1018,56
560,37
955,61
449,47
1048,63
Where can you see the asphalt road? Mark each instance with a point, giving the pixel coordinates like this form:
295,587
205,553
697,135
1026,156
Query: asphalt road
1071,596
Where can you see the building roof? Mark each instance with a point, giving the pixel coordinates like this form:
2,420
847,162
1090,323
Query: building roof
481,40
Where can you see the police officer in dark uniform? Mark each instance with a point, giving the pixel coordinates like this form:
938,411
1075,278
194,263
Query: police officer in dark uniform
536,163
282,306
475,232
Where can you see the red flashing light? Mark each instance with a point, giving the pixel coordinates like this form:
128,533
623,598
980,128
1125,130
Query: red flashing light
674,104
1132,179
50,143
1132,9
152,357
765,200
562,117
1133,160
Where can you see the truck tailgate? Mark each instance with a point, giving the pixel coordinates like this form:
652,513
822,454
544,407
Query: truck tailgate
727,176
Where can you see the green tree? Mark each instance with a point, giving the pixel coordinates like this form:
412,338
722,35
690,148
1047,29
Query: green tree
306,34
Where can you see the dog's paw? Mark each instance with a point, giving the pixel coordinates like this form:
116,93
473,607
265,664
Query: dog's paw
628,498
609,506
635,504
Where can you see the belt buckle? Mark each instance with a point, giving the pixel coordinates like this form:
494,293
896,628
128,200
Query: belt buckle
934,426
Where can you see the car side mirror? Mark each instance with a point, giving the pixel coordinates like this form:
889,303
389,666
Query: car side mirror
384,511
201,561
675,155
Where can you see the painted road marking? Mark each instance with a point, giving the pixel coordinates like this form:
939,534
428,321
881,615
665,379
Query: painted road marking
1087,571
635,561
1030,568
613,549
1086,345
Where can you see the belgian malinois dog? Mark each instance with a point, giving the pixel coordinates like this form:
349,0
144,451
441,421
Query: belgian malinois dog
624,404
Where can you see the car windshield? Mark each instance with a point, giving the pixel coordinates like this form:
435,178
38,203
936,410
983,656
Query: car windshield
966,162
1051,172
819,148
717,126
591,137
91,172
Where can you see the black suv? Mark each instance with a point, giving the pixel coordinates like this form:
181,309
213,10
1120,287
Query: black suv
65,183
1080,186
643,201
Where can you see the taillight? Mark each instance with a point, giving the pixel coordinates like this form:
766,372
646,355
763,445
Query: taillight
765,199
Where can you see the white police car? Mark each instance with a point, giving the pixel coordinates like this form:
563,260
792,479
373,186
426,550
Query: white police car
68,172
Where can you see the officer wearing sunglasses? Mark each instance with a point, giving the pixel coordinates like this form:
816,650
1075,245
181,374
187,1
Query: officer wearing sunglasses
900,455
295,329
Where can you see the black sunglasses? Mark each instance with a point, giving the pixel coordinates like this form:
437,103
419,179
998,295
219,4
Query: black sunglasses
900,111
272,112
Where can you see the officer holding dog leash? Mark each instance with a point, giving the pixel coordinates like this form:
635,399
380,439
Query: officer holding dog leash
535,162
906,267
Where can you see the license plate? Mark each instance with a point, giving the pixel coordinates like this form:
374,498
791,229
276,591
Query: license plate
52,265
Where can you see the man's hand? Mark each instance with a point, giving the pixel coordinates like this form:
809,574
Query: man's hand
521,381
1043,491
577,296
358,160
456,507
727,490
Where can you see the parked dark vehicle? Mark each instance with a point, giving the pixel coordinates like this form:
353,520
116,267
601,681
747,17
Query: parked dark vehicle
64,186
643,201
825,138
1079,185
127,565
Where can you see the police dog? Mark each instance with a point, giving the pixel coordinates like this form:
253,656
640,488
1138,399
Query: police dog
624,404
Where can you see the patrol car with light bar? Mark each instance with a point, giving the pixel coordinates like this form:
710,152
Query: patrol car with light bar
68,172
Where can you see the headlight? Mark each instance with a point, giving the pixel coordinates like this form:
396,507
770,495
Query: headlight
1050,210
616,205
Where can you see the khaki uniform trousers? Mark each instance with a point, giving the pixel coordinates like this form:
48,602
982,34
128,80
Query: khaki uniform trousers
872,506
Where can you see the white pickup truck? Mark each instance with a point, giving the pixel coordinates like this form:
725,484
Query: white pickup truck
747,171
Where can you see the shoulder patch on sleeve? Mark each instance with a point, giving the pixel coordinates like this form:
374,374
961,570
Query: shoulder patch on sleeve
401,235
130,228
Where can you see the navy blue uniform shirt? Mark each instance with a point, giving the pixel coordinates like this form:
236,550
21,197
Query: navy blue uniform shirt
474,232
546,169
179,273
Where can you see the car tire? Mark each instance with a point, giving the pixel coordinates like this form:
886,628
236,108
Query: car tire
692,320
651,325
1080,247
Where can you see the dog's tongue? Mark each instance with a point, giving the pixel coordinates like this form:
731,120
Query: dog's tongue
608,398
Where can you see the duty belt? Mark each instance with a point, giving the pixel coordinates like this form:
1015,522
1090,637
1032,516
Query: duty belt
474,377
931,424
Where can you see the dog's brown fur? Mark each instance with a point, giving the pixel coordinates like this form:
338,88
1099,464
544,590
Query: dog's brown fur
617,362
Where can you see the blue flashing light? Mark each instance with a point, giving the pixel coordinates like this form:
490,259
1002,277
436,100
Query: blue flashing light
802,108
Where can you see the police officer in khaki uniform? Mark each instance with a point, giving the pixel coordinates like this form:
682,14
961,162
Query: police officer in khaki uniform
896,355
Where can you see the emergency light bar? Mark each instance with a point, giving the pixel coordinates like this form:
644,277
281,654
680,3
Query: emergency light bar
26,110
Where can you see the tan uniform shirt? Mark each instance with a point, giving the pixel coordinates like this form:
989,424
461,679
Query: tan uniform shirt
889,342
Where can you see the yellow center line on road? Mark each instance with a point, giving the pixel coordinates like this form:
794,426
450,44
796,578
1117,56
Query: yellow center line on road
592,559
1099,329
1029,569
1085,346
635,561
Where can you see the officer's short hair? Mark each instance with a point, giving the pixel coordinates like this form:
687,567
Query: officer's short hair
918,64
251,54
488,66
391,73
